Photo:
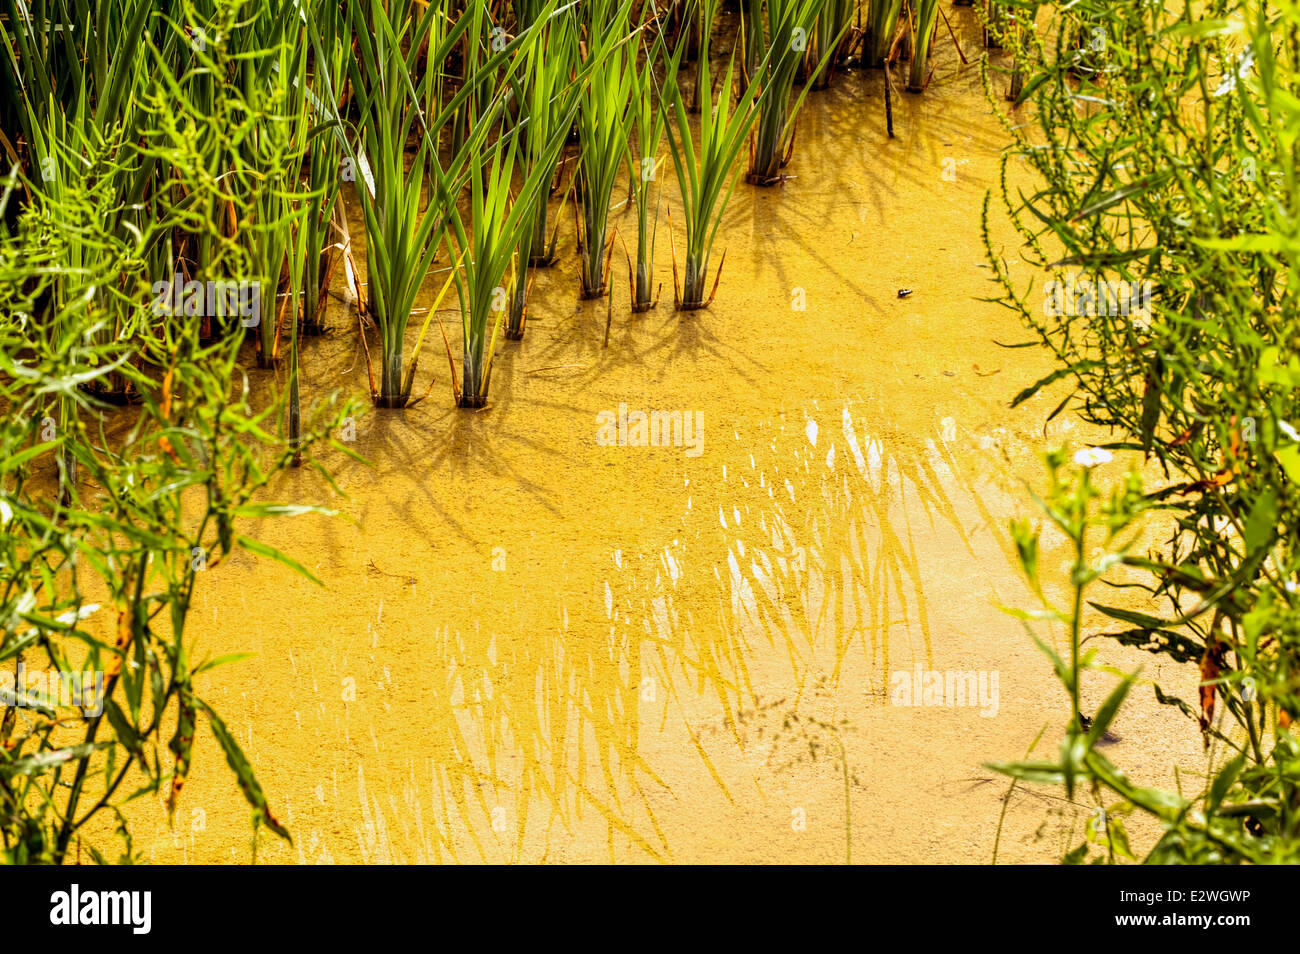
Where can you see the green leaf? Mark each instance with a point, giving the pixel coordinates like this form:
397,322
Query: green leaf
126,733
39,763
1223,782
1118,837
13,461
1106,714
1150,407
248,783
1261,523
1119,195
1077,856
262,549
1289,458
1046,773
1128,616
1055,376
221,661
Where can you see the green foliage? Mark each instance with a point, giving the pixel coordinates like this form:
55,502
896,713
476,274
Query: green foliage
405,214
1161,150
604,122
647,121
546,99
834,26
126,506
926,19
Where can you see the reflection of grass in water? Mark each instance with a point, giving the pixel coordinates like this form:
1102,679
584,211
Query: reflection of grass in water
522,720
549,719
835,555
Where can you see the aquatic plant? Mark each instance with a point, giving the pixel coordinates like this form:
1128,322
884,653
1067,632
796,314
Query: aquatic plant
325,169
925,24
878,34
499,216
604,122
790,22
546,96
751,29
648,115
703,13
403,233
497,223
706,174
833,39
273,57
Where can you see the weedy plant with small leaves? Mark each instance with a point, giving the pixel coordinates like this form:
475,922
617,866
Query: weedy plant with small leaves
86,508
1181,181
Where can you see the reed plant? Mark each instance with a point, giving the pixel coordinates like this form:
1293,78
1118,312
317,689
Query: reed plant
402,240
273,57
790,23
707,172
477,79
755,38
833,38
499,214
497,221
325,175
878,34
553,94
648,111
604,127
545,96
704,13
406,215
925,24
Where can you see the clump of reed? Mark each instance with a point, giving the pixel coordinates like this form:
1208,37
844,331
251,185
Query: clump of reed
490,248
403,234
325,178
604,124
545,98
834,38
648,115
879,32
706,174
924,26
499,215
789,24
276,150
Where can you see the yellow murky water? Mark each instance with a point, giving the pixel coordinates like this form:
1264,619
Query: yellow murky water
533,647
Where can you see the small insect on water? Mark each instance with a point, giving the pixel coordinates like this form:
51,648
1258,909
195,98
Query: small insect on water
904,292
